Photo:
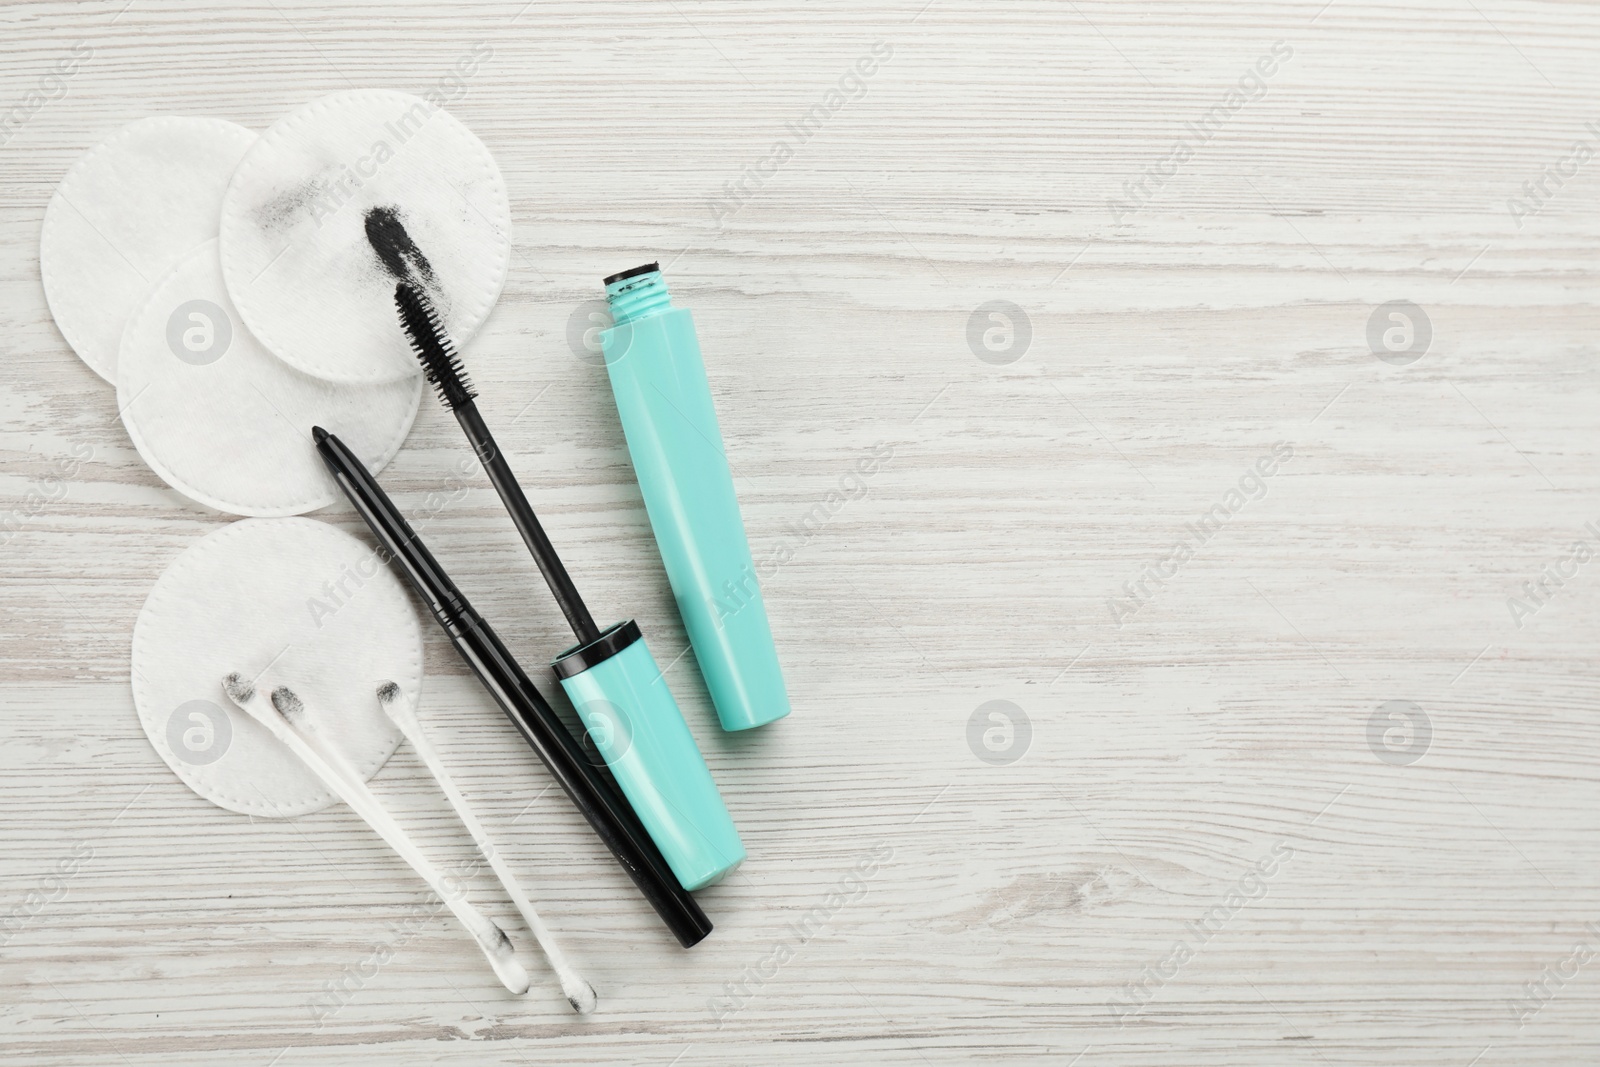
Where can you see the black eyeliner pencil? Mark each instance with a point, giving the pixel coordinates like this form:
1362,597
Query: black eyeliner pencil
601,803
443,369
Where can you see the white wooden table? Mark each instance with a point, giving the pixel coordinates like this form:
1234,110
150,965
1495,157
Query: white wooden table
1202,847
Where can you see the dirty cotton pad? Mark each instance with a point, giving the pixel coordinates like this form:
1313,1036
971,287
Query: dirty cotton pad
340,200
228,424
126,212
291,602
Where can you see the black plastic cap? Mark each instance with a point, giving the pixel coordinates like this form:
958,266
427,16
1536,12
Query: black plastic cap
634,273
575,661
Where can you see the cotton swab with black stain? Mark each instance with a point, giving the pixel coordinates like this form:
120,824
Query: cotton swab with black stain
285,718
443,368
491,938
580,994
293,710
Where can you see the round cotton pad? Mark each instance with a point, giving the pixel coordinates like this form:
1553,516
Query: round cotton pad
128,209
225,422
291,602
339,201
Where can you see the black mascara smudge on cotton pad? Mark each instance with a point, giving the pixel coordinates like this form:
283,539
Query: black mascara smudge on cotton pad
284,211
399,257
396,250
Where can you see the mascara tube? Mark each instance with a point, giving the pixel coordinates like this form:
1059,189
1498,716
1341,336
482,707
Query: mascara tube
607,811
632,719
659,381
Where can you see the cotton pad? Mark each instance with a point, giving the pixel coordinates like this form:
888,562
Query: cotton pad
291,602
228,424
340,200
128,209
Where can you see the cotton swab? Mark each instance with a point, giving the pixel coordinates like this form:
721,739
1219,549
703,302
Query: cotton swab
280,719
580,994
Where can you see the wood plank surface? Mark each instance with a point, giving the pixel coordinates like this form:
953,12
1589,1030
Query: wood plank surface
1211,843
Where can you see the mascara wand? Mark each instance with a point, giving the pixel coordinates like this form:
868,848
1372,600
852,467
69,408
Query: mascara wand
610,676
443,368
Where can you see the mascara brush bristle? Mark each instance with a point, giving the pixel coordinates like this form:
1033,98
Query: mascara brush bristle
432,346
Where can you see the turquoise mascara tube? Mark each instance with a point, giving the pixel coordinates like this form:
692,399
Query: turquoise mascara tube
631,719
659,381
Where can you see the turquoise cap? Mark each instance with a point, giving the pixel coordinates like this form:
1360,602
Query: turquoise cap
632,720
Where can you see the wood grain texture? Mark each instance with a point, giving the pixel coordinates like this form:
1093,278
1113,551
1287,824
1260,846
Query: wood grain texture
1222,729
